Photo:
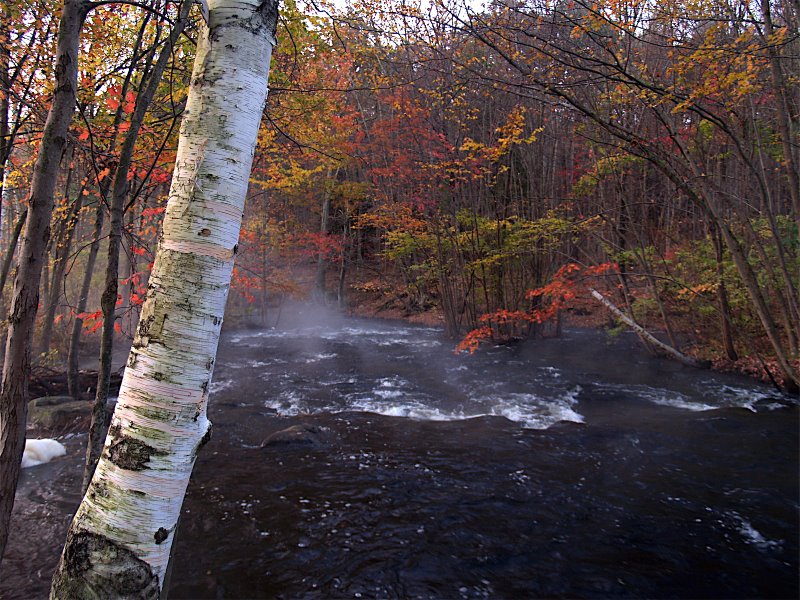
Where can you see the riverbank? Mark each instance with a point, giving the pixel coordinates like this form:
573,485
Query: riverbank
369,300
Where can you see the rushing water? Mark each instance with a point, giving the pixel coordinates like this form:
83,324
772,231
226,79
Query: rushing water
572,467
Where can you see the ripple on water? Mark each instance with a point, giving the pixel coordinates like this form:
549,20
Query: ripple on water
686,504
397,397
220,385
754,537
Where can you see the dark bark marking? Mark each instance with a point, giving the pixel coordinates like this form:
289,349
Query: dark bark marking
99,489
130,453
150,328
161,535
264,17
92,566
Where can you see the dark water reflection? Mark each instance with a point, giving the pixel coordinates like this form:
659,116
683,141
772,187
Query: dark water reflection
576,467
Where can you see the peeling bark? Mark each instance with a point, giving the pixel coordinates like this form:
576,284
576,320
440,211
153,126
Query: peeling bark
95,567
134,499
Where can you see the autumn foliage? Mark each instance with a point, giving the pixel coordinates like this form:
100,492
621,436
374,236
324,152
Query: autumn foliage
546,304
458,162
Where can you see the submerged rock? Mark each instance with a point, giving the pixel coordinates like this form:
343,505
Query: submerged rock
302,434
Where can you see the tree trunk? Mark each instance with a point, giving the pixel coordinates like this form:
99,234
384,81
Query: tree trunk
73,354
128,516
5,88
25,298
108,300
61,252
12,246
665,348
322,263
787,137
341,298
4,269
722,298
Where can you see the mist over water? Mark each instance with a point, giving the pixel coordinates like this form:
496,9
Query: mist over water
572,467
323,363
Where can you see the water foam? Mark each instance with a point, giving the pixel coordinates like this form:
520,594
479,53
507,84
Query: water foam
390,397
536,412
314,358
730,395
660,396
218,386
751,535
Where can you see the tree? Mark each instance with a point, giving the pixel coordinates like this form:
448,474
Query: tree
119,191
652,79
25,298
120,539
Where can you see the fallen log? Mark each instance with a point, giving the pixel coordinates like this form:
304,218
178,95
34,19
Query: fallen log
642,332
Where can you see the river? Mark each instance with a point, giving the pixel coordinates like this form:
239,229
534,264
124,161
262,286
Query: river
573,467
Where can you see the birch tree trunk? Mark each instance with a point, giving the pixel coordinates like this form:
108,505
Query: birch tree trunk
120,539
642,332
119,191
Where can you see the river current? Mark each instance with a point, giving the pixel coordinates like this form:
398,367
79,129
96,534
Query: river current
571,467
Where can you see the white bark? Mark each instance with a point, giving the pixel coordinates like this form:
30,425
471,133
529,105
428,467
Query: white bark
125,524
641,331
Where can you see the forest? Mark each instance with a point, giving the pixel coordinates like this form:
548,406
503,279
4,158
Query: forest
500,170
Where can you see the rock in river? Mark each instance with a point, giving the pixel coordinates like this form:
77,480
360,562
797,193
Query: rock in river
301,434
57,411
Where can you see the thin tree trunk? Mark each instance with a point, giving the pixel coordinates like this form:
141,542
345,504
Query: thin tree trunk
108,300
5,88
787,136
128,516
61,252
4,269
790,374
722,298
666,348
73,354
105,187
340,294
319,281
12,247
25,299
